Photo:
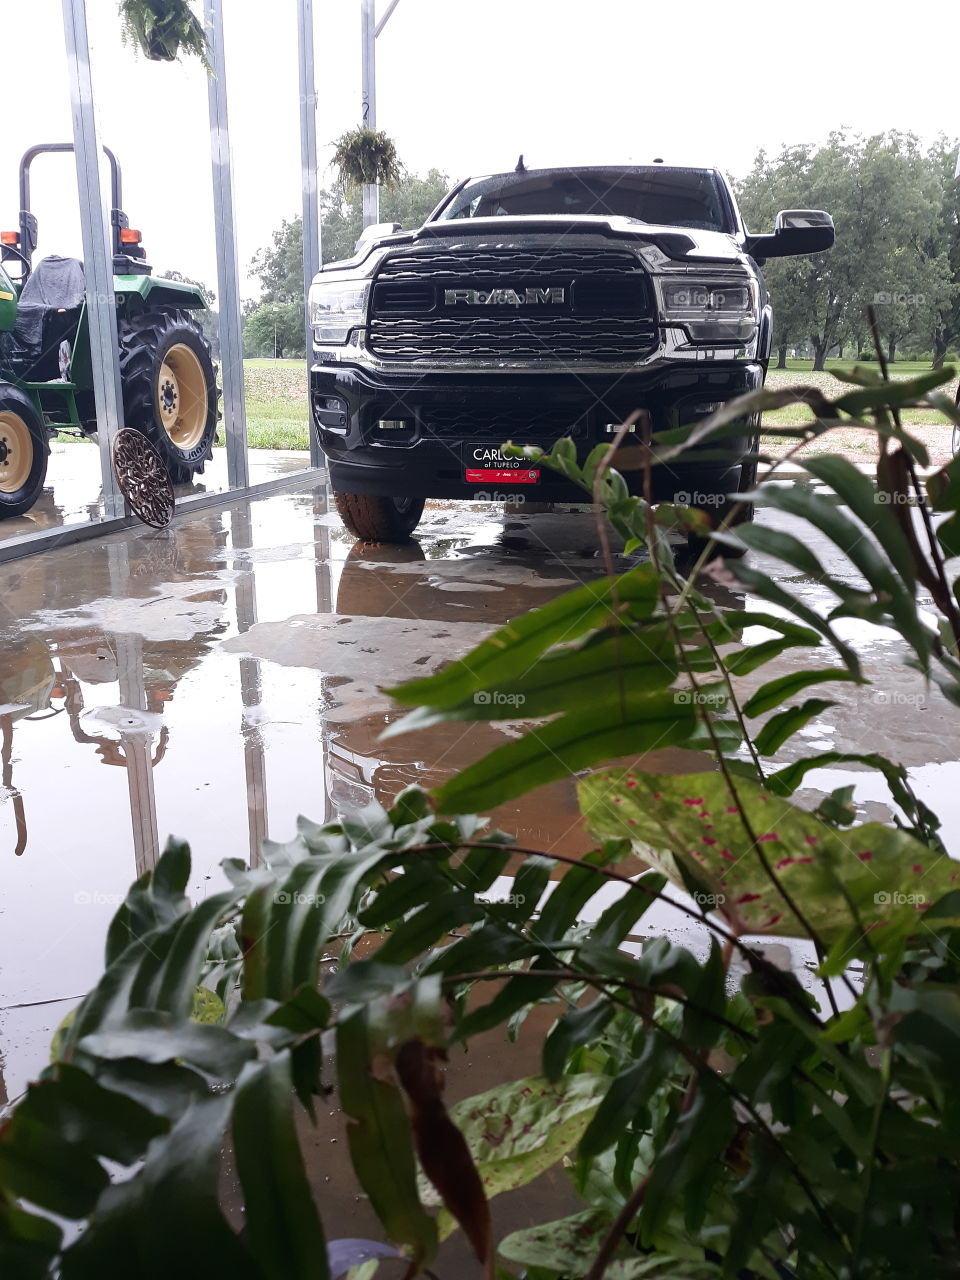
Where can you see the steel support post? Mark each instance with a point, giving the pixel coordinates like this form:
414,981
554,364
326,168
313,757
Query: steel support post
228,272
308,170
368,26
97,251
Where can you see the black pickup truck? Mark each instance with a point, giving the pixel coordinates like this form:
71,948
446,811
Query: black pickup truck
533,305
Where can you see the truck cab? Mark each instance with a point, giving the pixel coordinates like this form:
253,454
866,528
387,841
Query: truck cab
533,305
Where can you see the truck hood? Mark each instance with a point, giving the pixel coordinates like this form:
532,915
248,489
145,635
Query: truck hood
679,244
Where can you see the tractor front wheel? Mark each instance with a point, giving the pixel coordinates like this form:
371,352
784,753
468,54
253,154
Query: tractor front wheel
170,388
23,452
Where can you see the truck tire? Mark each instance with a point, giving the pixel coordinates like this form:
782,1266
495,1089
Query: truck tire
170,388
23,452
696,544
374,519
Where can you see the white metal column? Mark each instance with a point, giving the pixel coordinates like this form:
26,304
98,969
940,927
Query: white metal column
308,168
368,36
228,272
97,251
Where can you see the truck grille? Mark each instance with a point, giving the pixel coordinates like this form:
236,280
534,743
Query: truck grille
606,315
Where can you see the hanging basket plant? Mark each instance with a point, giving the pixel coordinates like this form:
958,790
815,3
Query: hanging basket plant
364,157
163,29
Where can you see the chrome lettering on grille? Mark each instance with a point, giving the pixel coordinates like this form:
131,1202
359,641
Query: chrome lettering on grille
503,297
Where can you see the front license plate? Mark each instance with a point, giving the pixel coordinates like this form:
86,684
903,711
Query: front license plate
485,464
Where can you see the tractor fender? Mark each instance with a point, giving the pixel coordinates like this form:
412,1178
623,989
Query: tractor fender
137,293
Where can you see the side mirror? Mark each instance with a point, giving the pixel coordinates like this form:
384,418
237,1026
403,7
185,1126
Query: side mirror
375,232
796,231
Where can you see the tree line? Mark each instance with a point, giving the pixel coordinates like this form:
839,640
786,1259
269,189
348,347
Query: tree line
896,206
274,323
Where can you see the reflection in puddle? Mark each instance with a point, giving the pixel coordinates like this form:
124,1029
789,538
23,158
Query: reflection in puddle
218,678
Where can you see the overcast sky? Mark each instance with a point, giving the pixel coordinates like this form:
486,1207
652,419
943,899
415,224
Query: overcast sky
466,85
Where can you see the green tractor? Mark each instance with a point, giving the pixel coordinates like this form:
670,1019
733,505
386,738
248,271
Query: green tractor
46,378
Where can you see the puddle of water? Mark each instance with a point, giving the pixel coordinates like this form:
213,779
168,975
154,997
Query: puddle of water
219,678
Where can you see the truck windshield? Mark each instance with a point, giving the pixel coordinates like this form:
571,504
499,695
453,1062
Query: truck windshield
668,197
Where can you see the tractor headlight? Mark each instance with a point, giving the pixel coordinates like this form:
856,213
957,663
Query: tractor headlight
712,310
337,307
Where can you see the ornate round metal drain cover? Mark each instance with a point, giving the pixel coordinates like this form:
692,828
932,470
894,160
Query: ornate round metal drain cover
143,479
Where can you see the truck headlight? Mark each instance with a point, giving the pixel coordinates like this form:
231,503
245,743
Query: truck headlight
712,310
337,307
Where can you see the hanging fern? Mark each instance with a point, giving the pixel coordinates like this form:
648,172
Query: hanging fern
363,157
160,29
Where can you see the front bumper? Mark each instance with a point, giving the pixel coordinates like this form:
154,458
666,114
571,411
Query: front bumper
443,412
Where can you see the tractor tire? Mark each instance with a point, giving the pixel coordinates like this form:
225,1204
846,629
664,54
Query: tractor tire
24,450
170,388
373,519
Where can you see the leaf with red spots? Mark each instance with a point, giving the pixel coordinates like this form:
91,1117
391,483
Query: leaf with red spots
517,1130
888,875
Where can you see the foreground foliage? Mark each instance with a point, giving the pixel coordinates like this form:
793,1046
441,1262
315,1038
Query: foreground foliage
719,1115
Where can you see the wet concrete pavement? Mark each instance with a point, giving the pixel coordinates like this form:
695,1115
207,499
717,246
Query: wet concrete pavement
216,679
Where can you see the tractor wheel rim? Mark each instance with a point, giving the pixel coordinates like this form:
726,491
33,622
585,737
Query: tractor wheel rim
16,452
182,400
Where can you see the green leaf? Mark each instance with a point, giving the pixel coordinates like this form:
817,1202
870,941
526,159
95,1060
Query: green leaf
785,724
691,1162
157,1037
862,497
80,1111
282,1225
755,655
688,825
565,746
378,1132
579,1026
775,692
517,1130
509,652
628,1096
568,680
893,394
568,1246
763,585
154,901
166,1221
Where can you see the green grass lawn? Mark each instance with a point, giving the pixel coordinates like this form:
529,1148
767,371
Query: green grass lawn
277,406
277,412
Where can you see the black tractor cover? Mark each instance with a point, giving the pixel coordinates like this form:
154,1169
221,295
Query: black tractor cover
47,313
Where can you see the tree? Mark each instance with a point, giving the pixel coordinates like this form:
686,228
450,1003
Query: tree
279,265
769,187
274,329
408,203
944,242
885,196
